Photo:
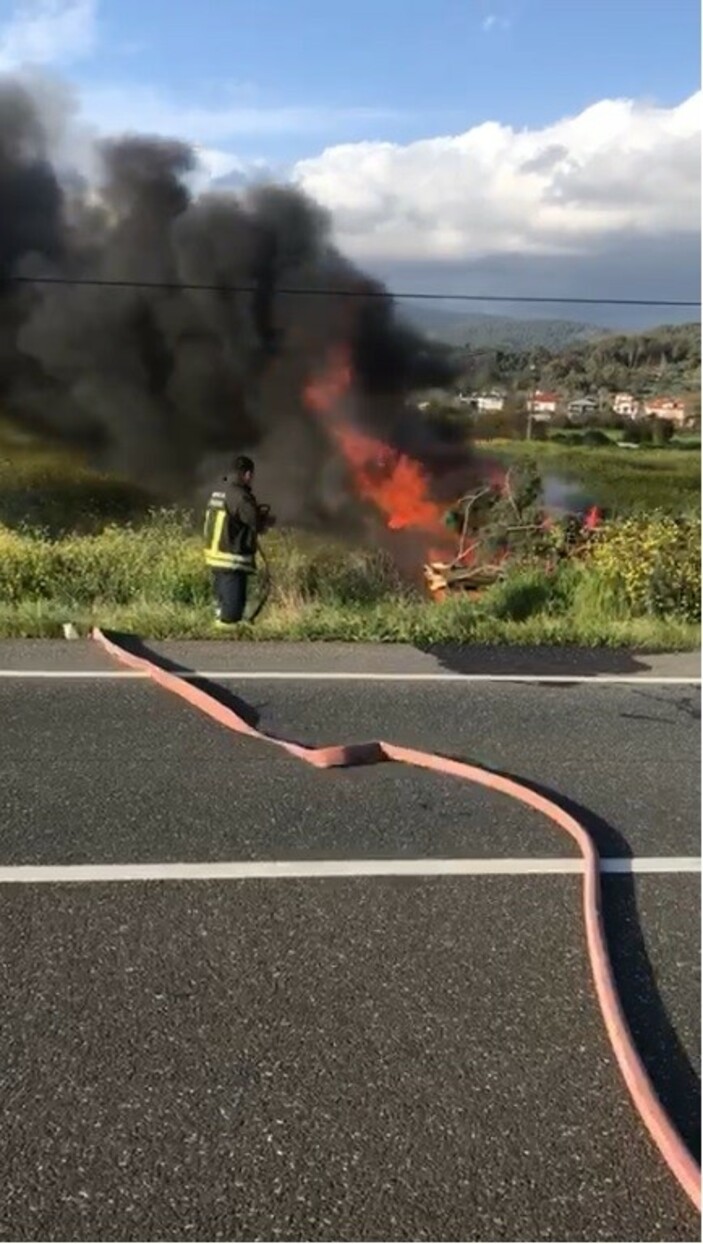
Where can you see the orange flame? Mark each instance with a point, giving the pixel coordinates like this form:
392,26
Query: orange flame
593,519
393,482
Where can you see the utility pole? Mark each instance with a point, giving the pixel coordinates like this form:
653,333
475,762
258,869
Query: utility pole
531,400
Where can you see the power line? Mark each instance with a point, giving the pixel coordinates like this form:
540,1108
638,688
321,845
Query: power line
173,286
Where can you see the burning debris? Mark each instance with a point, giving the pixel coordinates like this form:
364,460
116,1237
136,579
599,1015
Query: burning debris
159,384
502,523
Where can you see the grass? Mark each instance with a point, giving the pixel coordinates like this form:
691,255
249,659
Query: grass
75,546
620,480
423,626
150,578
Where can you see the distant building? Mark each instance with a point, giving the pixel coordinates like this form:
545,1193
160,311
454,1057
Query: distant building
625,405
487,403
543,403
582,408
671,408
428,398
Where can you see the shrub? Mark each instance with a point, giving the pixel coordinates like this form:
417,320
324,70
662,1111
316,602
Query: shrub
688,443
316,570
595,436
507,424
662,432
161,560
568,437
26,566
649,432
529,592
158,560
655,561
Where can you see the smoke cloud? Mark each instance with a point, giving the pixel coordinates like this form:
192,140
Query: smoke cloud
159,384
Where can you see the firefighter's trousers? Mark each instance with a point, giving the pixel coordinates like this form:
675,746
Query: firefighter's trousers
231,594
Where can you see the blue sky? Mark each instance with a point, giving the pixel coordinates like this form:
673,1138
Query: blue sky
382,69
514,144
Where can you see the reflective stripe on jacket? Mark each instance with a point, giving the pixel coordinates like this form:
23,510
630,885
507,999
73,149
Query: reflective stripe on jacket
223,534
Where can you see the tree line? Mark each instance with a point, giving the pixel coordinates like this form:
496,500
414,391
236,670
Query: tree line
660,360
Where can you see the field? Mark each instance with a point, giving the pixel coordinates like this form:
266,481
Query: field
620,480
75,546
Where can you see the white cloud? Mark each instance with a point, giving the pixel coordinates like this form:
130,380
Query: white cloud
215,163
620,168
218,169
493,21
47,32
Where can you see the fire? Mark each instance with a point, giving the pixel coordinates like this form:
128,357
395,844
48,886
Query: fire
399,488
593,518
326,391
393,482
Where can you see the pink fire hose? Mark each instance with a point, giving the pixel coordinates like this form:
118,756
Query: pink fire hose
655,1119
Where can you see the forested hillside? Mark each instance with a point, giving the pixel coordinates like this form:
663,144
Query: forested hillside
482,331
660,360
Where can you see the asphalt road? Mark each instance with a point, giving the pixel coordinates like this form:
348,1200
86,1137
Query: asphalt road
341,1059
119,771
366,659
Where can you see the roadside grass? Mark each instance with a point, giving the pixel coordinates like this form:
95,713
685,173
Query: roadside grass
151,579
420,624
77,546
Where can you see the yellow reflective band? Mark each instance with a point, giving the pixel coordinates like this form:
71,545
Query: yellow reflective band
215,504
215,555
229,561
220,519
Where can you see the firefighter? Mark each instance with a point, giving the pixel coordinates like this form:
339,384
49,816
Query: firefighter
233,522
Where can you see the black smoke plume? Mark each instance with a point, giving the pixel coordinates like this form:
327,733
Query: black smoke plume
160,384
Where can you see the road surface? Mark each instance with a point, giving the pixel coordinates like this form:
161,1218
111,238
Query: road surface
399,1057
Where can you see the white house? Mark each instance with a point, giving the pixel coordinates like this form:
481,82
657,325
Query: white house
543,403
582,407
670,408
625,405
487,403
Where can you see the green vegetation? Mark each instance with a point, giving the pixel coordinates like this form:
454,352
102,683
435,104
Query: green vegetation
653,565
151,579
619,480
664,360
85,549
479,331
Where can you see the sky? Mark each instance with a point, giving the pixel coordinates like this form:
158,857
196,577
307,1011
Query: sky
504,146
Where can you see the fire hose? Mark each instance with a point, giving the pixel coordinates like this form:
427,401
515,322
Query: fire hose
264,585
655,1119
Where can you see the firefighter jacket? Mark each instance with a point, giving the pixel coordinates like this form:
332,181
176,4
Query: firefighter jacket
231,527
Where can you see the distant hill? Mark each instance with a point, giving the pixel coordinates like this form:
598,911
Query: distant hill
500,332
659,360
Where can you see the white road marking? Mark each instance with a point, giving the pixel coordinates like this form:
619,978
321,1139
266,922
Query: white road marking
349,676
243,870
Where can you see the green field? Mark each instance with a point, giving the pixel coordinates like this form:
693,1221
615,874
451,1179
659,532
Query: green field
620,480
82,547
